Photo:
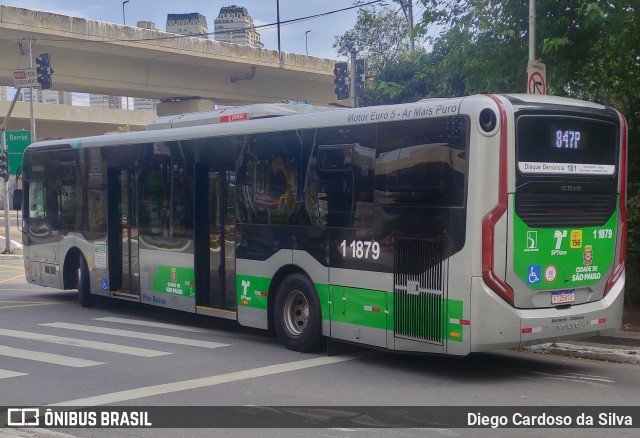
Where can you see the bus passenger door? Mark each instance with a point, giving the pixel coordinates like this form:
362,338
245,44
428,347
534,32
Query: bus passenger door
215,237
123,234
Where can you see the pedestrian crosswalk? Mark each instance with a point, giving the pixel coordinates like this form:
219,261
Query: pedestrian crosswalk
102,346
136,335
41,356
4,374
37,341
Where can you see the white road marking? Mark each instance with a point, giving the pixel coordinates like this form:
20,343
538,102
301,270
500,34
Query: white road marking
592,377
136,335
167,388
570,378
183,328
5,374
102,346
47,357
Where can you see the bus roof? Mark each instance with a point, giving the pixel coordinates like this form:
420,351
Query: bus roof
233,114
546,99
265,118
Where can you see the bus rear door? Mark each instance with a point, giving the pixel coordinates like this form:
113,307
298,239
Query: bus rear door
123,234
215,237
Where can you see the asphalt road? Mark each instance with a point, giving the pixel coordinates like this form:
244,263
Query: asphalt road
54,352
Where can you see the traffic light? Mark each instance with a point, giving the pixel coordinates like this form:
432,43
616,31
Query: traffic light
360,70
44,70
4,166
341,78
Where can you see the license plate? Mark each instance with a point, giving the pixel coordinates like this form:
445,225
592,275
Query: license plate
563,297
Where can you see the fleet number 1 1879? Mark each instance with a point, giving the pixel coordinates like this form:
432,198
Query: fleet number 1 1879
360,249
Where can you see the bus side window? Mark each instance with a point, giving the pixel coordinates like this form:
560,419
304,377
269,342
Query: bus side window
166,192
153,197
268,178
339,179
36,200
335,171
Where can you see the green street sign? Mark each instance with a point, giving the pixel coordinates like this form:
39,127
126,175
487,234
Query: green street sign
17,142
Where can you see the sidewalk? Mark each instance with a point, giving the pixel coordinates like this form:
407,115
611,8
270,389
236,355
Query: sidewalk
623,347
16,249
15,235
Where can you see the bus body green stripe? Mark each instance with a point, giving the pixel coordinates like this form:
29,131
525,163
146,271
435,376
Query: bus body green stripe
453,322
364,307
361,307
252,291
367,308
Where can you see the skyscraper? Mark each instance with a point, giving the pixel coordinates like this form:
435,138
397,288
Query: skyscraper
235,25
193,24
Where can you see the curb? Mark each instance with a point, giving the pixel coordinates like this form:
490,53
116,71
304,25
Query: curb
618,355
13,245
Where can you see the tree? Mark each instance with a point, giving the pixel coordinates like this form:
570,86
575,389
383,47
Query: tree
380,35
469,42
591,49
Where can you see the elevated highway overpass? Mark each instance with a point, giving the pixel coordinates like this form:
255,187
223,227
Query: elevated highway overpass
65,121
105,58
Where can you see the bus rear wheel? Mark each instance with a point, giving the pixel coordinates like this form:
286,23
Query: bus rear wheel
297,314
84,284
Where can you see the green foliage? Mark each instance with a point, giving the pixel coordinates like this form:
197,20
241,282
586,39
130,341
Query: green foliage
390,90
400,81
380,35
552,44
120,130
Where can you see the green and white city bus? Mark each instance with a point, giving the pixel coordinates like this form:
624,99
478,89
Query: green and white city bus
442,226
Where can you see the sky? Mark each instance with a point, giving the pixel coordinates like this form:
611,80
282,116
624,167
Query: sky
292,36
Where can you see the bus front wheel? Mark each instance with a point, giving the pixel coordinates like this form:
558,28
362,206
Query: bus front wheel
297,315
84,284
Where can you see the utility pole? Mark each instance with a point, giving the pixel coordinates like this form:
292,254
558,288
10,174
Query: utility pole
124,21
31,115
278,20
3,132
353,78
412,45
532,30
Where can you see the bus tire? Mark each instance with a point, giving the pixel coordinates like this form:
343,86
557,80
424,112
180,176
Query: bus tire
84,284
297,314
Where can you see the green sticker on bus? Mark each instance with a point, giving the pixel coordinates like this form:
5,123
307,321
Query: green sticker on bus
175,281
563,257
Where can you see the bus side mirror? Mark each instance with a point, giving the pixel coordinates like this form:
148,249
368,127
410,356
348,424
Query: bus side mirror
17,199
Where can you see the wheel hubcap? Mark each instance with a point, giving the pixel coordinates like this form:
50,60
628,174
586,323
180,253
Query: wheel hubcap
296,312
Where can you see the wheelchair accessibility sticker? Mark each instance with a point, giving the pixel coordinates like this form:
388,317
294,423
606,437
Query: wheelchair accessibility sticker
534,274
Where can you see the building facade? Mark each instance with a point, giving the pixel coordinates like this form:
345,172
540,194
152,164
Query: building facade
104,101
147,25
45,96
143,103
235,25
193,24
